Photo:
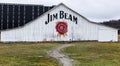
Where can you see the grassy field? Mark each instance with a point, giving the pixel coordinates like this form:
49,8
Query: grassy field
83,53
26,54
94,54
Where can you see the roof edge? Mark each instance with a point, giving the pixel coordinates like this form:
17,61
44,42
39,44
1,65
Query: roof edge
85,17
69,9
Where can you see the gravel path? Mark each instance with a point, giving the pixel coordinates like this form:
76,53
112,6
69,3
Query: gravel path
62,58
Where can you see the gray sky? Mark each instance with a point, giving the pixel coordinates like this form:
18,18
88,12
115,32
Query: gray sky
94,10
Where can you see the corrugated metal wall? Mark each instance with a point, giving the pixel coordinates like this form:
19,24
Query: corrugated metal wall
16,15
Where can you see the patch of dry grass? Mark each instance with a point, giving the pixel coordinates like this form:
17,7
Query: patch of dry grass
26,54
94,54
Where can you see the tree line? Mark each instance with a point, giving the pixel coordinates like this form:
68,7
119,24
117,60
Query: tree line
113,23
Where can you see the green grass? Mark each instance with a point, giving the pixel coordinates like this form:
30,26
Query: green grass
27,54
94,54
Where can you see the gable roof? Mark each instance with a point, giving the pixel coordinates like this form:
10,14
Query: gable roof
85,17
78,14
42,13
17,15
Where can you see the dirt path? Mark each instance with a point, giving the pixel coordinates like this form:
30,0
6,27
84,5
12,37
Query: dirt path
55,53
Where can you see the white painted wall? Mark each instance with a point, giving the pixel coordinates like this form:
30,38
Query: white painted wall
39,31
107,34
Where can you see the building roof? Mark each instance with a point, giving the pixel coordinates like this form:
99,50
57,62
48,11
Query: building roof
17,15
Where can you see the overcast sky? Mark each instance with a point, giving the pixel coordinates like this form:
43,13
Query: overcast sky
94,10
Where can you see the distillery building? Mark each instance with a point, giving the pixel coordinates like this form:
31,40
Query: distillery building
37,23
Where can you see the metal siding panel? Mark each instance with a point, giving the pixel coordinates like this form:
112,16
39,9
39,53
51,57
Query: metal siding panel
16,16
10,16
4,16
0,15
21,15
35,11
28,13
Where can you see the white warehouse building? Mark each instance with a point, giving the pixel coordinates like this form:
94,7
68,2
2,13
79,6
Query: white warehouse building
59,23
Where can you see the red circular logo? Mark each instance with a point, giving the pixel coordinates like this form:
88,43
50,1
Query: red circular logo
61,27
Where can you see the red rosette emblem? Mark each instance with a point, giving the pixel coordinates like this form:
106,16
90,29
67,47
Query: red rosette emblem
61,28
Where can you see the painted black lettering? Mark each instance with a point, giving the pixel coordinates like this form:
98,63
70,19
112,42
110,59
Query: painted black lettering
61,14
46,22
55,16
70,17
50,17
66,14
75,19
